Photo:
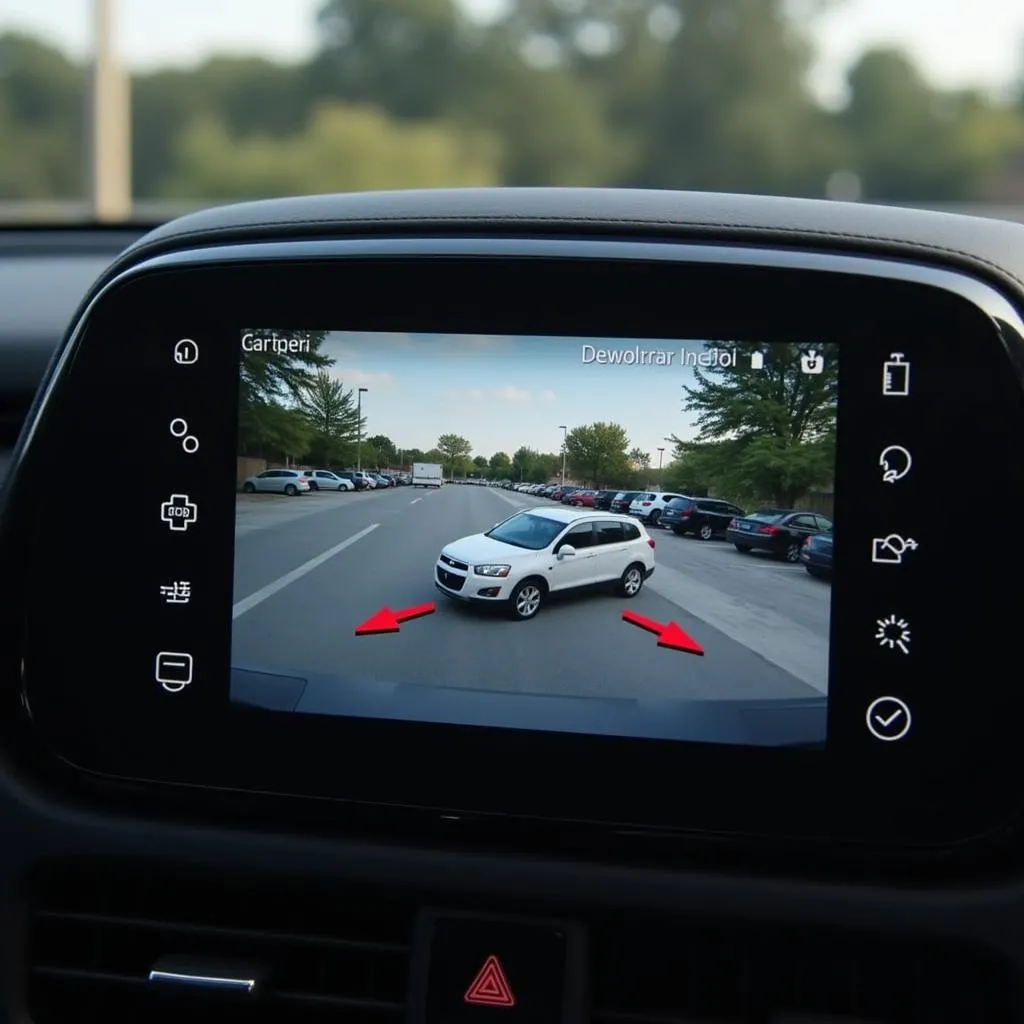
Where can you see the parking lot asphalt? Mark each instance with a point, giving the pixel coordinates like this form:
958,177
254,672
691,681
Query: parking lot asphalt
309,569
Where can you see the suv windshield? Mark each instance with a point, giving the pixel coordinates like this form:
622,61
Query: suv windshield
679,503
527,531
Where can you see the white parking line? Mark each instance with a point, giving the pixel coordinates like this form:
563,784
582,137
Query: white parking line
784,643
414,500
250,602
504,497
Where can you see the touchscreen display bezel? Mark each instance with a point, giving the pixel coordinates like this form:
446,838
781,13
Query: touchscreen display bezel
119,726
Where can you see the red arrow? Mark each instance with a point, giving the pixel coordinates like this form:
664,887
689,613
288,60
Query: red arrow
670,635
387,621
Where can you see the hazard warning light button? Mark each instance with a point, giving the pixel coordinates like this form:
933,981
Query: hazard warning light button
471,969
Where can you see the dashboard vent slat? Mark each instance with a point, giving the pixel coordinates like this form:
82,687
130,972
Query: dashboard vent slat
338,956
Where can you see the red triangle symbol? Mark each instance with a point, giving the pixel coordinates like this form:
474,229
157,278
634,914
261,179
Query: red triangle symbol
490,987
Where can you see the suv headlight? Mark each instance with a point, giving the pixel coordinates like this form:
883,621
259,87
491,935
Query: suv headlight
492,570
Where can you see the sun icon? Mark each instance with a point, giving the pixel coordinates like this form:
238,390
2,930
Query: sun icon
893,633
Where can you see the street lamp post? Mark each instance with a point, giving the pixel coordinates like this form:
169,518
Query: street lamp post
661,458
565,434
359,429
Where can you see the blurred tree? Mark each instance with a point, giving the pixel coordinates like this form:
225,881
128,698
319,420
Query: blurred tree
413,58
732,111
249,95
480,464
341,150
909,141
551,126
42,122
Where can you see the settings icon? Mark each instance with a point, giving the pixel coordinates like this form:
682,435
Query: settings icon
893,633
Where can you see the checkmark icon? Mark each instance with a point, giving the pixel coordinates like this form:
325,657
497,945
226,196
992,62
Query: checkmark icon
888,719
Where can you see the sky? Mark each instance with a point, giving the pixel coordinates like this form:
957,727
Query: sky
503,392
955,42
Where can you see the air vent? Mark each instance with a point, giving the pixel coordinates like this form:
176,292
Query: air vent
216,951
667,973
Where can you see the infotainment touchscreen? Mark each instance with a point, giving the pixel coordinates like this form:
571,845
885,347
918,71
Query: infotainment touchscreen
614,536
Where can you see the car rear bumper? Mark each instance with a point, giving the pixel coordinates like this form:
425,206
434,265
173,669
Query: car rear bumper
756,541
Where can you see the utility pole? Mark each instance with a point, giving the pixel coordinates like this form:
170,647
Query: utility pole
565,436
109,119
661,458
359,429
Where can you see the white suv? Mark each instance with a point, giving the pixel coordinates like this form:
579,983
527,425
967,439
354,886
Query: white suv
649,505
538,551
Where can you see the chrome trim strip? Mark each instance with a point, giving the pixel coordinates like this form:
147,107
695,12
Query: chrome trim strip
247,985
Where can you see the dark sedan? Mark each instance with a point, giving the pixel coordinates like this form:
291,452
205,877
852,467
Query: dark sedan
817,555
780,532
703,517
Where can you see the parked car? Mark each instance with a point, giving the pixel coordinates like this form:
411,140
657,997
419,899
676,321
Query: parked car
540,551
780,532
277,481
816,554
622,501
703,517
650,506
582,499
357,480
326,480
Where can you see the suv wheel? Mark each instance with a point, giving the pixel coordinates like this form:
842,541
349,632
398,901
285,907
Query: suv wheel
526,600
631,581
705,532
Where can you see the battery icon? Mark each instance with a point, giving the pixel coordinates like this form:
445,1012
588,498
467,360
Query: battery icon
757,360
896,376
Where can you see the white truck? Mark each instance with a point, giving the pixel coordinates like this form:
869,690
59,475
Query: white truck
427,474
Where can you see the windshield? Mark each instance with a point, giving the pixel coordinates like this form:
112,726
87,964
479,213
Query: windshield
911,103
527,531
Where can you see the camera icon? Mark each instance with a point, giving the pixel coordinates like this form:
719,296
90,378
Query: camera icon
812,361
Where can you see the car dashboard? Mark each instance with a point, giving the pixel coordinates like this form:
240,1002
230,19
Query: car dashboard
131,898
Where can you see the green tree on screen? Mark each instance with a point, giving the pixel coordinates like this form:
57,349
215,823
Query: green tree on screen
500,465
456,451
332,412
767,433
272,381
597,452
639,458
385,448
